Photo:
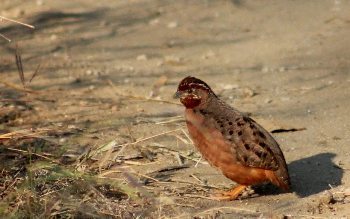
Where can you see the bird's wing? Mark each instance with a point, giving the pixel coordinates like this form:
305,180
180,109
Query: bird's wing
252,144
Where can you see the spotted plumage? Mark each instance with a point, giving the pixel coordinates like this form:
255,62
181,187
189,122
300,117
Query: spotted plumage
234,143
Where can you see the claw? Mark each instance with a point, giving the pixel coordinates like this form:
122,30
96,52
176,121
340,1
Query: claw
229,195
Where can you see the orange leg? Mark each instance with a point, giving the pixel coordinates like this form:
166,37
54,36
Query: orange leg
231,194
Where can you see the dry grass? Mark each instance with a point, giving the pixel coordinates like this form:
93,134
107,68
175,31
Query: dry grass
13,21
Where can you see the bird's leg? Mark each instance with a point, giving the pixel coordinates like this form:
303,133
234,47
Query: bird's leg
231,194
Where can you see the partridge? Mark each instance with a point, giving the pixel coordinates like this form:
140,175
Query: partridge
230,141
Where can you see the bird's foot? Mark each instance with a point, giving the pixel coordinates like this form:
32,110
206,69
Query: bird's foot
229,195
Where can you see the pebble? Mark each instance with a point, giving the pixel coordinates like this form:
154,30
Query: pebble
125,68
347,192
53,37
265,69
247,92
326,197
142,57
39,2
267,100
172,59
154,22
89,72
159,63
285,99
63,140
229,86
208,55
172,25
282,69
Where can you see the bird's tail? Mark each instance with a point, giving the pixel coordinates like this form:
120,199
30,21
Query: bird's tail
278,179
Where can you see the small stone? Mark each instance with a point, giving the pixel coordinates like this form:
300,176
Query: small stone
53,37
267,100
229,86
63,140
89,72
114,108
285,99
72,127
39,2
247,92
83,103
208,55
125,68
326,197
171,43
265,69
347,192
172,25
338,197
154,22
282,69
172,59
159,63
142,57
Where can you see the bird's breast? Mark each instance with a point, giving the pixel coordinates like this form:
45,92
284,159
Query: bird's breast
209,140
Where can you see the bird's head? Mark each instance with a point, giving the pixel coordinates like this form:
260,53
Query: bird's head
193,92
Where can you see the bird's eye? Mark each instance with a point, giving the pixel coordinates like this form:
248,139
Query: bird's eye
190,91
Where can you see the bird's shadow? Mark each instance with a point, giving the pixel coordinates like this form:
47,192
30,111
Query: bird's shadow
314,174
310,176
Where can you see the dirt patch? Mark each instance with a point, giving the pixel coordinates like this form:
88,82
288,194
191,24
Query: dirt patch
101,136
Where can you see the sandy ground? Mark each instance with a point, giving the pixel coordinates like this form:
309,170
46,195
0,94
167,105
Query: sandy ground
105,64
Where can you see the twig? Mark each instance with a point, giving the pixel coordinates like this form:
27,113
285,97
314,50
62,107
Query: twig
150,137
195,184
38,155
138,163
103,175
198,161
19,66
157,145
3,36
197,196
228,208
148,177
17,22
304,216
35,73
182,139
217,209
196,178
15,100
22,133
175,119
16,87
186,205
9,186
187,136
113,144
139,97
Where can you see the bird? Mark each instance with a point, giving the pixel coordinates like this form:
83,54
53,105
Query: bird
230,140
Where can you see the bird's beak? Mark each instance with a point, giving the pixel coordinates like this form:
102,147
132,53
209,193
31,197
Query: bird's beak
177,95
